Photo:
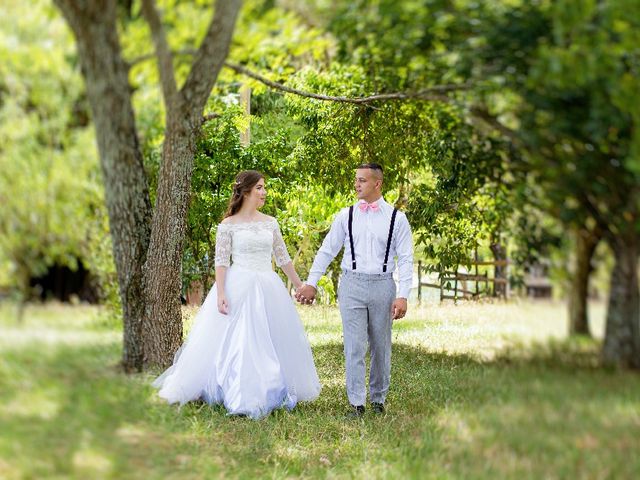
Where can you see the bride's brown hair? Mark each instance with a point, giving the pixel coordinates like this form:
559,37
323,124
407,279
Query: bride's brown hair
244,183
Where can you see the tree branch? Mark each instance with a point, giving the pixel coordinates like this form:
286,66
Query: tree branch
163,53
210,116
211,54
436,93
595,213
483,114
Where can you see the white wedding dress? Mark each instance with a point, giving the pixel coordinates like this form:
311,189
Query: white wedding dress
257,357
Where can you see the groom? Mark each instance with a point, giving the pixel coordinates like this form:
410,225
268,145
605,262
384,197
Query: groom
372,233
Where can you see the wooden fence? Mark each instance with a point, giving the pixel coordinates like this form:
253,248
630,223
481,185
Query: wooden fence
458,282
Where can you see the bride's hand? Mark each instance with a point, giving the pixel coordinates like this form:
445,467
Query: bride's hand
223,305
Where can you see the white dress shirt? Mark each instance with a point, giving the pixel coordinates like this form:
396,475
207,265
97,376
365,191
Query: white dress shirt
370,233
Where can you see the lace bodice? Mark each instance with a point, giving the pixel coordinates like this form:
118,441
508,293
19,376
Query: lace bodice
251,245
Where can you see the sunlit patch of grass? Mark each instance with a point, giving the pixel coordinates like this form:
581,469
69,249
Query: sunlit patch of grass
59,316
478,391
41,404
54,324
91,463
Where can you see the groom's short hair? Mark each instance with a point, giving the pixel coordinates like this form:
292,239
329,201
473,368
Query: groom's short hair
376,167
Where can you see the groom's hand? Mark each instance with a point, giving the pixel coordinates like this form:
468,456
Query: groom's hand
306,294
398,308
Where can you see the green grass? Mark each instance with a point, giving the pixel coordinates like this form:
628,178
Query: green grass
478,391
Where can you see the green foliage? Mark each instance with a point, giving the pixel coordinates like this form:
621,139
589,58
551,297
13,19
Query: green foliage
327,294
272,38
434,162
560,76
563,78
53,207
266,36
404,45
301,205
219,158
455,179
308,211
577,111
340,136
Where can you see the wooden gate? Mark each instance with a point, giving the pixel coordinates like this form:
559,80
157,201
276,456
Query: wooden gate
459,282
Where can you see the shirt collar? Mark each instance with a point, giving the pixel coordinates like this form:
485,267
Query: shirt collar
380,201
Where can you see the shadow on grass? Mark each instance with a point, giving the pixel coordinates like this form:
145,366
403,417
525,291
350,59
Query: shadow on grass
69,411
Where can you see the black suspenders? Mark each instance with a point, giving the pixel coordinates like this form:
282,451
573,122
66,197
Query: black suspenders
386,254
353,253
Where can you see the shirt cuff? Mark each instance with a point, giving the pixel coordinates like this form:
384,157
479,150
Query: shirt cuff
403,292
313,280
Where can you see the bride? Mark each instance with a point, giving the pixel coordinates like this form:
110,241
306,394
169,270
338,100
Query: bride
247,348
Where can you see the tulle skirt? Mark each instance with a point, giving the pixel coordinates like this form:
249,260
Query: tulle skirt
252,360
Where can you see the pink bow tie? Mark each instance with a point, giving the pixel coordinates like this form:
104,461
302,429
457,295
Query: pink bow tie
364,206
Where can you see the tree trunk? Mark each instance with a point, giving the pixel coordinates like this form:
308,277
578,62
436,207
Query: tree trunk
499,253
622,337
126,188
163,317
586,243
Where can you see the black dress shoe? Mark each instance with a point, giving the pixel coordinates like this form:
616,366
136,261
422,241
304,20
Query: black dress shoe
355,412
377,407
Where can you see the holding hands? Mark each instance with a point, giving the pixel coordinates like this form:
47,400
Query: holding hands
305,294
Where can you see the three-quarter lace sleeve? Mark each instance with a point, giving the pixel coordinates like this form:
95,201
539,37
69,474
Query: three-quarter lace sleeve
223,246
279,247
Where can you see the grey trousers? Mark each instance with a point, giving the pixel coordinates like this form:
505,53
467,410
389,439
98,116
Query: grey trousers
365,306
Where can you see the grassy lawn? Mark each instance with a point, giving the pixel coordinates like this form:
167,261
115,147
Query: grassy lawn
478,391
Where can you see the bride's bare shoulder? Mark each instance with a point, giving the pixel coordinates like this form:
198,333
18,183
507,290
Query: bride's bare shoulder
266,218
260,218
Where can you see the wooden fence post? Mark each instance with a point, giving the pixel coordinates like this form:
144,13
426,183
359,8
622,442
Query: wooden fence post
477,293
455,287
